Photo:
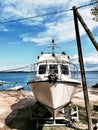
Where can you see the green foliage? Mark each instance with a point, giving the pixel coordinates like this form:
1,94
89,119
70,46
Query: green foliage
94,11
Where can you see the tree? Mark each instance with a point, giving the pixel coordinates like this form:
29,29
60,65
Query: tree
94,11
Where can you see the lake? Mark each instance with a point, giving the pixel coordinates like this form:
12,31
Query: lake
21,78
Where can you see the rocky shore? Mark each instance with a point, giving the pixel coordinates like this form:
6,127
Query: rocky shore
12,102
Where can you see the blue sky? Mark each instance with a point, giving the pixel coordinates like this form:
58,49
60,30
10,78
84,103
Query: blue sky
22,41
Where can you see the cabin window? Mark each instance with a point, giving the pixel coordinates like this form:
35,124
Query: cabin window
64,69
53,68
42,69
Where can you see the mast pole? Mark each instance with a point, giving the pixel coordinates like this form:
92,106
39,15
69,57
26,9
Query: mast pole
52,46
87,104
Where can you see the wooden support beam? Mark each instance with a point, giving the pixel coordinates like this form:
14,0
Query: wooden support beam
86,28
85,91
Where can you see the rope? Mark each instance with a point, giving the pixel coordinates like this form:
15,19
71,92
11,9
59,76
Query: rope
14,69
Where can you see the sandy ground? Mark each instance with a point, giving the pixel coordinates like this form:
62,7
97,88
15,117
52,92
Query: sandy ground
78,97
9,100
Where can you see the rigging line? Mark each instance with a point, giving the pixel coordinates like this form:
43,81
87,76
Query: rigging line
16,68
87,5
42,15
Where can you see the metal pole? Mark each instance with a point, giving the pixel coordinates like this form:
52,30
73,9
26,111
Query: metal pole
86,98
86,28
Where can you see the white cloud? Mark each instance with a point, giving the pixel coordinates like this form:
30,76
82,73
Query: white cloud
61,29
13,10
90,61
26,8
40,41
91,58
74,59
3,28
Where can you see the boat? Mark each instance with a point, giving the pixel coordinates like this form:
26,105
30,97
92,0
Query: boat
51,80
16,88
1,82
95,86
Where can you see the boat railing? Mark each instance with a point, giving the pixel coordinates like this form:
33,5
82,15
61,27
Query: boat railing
72,68
74,71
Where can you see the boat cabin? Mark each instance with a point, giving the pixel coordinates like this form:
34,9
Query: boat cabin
57,64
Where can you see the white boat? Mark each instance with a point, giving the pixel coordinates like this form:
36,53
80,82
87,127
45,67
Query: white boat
1,82
16,88
53,85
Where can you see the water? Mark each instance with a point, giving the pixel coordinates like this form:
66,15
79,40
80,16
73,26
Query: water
21,78
12,79
91,78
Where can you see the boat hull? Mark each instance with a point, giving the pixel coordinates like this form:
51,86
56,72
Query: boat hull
54,96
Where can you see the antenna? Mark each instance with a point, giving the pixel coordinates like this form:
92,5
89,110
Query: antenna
53,47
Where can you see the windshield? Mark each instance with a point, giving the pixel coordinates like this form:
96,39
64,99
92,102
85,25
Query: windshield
64,69
42,69
53,68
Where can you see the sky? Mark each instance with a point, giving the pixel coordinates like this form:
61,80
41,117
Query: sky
21,41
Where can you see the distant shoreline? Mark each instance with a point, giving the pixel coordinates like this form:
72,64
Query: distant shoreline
14,71
32,71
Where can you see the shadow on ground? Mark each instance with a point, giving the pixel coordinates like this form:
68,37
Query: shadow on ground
22,118
24,113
